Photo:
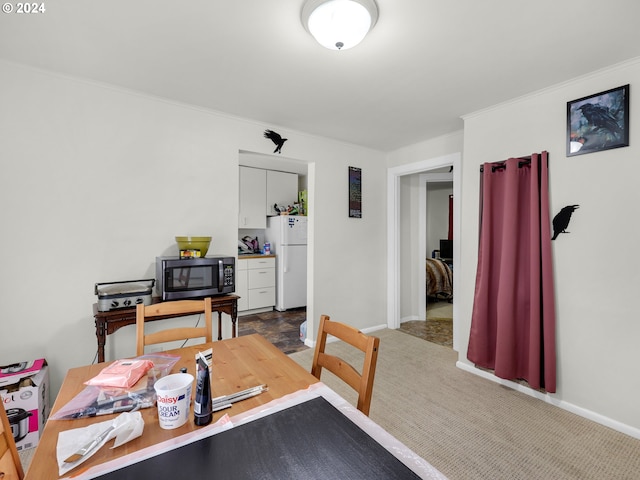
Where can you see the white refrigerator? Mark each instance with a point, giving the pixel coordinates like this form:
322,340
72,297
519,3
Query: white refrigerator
287,235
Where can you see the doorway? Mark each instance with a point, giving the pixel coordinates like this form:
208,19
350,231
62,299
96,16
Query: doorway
305,172
426,241
394,241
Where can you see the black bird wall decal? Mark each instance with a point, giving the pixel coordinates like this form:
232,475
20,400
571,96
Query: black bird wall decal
561,220
275,138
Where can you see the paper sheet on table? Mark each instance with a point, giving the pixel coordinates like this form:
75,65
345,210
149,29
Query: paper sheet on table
127,426
221,425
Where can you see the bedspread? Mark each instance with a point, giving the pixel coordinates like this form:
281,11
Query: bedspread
439,279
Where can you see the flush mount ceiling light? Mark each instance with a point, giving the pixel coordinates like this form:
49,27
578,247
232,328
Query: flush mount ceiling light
339,24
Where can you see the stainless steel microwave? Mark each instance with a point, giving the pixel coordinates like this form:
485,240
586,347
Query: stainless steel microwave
185,278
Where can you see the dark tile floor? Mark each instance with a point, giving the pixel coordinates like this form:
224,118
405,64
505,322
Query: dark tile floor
438,328
438,331
283,329
280,328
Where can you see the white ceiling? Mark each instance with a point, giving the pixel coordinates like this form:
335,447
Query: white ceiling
424,64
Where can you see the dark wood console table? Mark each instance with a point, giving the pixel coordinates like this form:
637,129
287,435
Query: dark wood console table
108,322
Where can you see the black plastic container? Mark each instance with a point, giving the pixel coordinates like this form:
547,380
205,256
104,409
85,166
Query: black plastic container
202,410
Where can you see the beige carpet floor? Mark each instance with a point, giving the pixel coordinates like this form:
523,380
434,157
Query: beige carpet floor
439,310
471,428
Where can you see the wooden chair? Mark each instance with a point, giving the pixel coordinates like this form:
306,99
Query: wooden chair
360,382
10,465
186,307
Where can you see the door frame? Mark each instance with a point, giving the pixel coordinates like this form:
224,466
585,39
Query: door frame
393,230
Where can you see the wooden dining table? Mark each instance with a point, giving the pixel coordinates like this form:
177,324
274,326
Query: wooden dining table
238,364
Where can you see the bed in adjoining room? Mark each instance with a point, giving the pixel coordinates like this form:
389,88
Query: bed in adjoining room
439,279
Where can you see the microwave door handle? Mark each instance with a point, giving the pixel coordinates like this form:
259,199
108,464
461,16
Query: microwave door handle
220,275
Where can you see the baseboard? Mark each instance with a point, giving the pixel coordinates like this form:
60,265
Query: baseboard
373,329
254,311
548,398
410,318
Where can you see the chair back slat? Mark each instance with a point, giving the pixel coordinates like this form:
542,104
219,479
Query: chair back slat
184,307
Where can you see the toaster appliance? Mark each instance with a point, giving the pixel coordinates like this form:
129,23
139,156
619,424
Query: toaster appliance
115,295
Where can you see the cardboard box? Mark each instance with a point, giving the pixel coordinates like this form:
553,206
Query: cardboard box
24,390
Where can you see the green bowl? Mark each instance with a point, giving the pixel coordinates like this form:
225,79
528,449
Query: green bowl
194,243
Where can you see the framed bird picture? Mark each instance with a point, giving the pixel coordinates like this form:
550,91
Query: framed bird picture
598,122
355,192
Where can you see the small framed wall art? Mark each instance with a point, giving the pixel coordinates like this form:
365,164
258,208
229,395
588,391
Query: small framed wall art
355,192
598,122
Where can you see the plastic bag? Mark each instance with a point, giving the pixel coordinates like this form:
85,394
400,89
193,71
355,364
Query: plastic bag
121,373
102,400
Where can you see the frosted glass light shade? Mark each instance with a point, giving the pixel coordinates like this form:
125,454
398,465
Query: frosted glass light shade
339,24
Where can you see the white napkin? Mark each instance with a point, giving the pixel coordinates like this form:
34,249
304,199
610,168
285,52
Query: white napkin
127,426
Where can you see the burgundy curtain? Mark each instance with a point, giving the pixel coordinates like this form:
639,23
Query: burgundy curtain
513,319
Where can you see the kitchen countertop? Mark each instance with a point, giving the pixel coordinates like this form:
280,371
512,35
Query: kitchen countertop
242,256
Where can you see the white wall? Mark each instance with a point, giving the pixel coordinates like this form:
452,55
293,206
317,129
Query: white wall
409,236
597,324
437,214
97,181
597,320
436,147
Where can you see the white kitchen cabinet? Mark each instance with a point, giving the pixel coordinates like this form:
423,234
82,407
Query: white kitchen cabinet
242,288
260,287
282,189
253,192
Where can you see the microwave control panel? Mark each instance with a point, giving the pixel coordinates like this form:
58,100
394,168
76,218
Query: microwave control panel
228,275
